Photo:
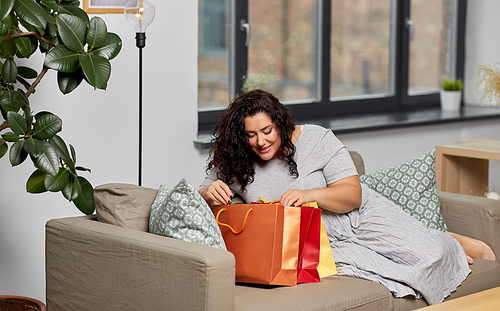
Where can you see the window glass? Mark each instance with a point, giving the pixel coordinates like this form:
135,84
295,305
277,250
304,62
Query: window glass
282,52
432,45
362,48
213,54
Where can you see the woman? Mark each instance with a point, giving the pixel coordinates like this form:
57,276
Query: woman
259,151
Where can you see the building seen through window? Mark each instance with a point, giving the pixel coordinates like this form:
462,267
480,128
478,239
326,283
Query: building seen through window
333,57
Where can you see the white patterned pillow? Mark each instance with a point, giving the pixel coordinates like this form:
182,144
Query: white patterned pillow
182,213
413,187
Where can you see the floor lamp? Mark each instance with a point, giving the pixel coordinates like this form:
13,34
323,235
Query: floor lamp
140,14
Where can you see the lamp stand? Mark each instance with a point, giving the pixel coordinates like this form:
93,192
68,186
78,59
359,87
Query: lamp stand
140,38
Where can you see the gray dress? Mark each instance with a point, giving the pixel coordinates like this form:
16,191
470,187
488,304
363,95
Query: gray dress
377,241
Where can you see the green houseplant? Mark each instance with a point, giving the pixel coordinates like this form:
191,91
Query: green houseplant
79,49
451,94
452,85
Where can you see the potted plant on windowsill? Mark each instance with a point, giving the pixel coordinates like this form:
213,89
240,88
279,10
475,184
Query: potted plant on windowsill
450,94
78,48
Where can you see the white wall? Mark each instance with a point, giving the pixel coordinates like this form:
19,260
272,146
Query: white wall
103,128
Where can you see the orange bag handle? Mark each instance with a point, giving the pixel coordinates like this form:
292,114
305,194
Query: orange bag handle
229,226
270,202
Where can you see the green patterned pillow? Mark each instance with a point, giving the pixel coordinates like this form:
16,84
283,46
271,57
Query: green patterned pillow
413,187
182,213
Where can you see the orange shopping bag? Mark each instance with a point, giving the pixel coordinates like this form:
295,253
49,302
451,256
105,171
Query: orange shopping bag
264,240
311,229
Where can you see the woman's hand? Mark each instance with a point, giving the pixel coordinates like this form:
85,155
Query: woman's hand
294,197
217,193
340,197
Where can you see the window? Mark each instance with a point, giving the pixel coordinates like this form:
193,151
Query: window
326,58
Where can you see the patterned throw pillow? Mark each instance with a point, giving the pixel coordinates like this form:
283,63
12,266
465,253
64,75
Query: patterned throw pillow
182,213
413,187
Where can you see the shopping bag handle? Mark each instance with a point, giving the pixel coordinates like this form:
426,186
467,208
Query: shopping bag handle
229,226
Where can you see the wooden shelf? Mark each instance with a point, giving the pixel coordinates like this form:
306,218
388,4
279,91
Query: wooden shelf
463,167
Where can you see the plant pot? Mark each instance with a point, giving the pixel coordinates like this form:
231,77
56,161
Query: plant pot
450,100
18,303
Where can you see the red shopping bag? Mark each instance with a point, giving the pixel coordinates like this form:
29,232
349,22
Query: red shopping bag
326,266
309,246
264,240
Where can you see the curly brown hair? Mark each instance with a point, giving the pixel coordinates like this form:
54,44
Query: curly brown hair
230,151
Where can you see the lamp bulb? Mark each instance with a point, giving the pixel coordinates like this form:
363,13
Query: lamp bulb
140,14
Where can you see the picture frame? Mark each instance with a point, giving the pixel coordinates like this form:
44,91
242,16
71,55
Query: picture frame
104,6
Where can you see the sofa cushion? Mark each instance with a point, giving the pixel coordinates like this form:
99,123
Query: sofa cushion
182,213
413,187
124,205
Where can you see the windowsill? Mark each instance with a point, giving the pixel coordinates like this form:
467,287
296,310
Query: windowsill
382,121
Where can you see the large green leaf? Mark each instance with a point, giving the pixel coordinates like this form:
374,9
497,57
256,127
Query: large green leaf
97,33
69,81
11,101
75,11
24,46
97,70
73,152
51,4
57,182
5,24
5,8
36,182
26,72
17,153
48,160
11,137
8,48
25,102
30,12
3,148
9,70
72,189
62,59
23,82
61,148
72,31
47,126
17,123
33,147
85,201
69,3
110,48
62,151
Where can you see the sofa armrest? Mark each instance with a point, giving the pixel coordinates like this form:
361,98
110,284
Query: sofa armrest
473,216
96,266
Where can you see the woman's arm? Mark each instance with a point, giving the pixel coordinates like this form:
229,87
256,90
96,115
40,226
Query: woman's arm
340,197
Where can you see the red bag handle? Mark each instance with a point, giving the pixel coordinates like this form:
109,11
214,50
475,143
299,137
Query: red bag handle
229,226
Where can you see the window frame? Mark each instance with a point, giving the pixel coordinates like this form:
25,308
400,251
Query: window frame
325,108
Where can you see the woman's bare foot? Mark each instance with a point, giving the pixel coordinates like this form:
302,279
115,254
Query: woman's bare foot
474,248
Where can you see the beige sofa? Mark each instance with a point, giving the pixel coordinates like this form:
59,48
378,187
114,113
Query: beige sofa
93,265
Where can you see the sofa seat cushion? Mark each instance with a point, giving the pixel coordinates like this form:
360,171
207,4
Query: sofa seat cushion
347,293
332,293
485,275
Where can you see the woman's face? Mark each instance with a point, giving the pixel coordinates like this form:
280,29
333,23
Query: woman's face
263,136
